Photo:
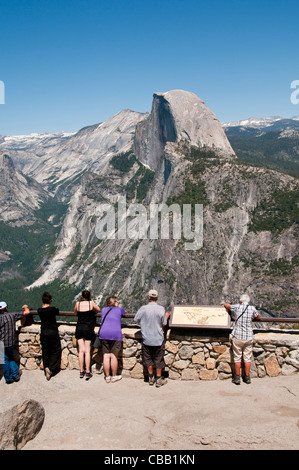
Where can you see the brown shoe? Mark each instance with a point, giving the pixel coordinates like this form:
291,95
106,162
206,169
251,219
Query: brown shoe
17,379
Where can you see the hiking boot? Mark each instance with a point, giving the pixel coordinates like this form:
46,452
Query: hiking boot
247,379
236,380
151,380
160,381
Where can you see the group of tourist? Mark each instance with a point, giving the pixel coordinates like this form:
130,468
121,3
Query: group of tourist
152,318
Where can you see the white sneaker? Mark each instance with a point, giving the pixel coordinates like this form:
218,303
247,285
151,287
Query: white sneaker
116,378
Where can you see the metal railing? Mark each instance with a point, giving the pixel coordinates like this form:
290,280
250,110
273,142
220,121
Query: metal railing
130,315
72,314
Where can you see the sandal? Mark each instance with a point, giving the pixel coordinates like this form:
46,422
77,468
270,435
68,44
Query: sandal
48,373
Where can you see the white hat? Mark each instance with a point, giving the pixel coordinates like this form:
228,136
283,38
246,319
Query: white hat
3,305
153,293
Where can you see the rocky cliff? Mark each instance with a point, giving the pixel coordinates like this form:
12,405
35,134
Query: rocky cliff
59,160
178,116
176,154
19,196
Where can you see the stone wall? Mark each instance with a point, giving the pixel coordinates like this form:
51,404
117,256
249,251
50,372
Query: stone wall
188,356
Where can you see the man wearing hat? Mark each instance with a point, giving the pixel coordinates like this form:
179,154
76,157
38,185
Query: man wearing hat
7,341
153,318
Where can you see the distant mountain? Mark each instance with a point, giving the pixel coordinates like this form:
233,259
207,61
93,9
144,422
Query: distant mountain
179,153
275,122
57,160
30,220
269,142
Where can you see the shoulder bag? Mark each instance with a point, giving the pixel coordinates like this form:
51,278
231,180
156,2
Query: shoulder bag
97,343
242,313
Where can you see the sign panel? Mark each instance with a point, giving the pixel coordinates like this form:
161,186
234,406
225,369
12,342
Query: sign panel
199,316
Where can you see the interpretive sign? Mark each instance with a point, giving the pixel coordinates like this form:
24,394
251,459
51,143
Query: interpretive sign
199,316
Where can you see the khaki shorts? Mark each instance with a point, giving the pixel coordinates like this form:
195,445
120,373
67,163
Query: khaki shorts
243,348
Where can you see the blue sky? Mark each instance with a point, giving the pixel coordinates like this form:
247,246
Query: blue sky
68,64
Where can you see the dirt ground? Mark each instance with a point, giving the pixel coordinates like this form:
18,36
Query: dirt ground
131,415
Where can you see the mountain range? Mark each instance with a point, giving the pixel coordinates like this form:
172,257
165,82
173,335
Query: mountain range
244,174
269,142
272,123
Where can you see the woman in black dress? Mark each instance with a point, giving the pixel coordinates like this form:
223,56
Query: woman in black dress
49,337
86,310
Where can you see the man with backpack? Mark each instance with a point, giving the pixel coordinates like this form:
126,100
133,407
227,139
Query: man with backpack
243,314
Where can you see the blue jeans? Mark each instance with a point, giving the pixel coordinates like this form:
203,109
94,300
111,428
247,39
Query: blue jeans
10,367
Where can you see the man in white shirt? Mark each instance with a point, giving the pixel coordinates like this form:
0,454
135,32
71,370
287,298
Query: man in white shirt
153,318
243,314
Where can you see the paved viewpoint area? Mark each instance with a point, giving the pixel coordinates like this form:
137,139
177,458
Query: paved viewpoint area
181,415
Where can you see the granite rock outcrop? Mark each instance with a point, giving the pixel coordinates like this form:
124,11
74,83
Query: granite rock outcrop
176,154
20,424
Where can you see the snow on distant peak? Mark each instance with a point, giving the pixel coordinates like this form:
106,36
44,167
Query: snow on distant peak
34,137
253,122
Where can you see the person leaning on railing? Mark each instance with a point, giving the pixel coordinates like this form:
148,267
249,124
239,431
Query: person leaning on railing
49,336
243,314
8,320
111,337
86,310
153,319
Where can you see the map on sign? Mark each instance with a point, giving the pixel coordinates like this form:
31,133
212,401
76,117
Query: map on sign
199,316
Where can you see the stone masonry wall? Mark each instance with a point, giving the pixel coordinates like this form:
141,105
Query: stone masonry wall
199,356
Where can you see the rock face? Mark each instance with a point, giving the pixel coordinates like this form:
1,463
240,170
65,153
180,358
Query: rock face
177,154
20,424
56,159
18,197
178,116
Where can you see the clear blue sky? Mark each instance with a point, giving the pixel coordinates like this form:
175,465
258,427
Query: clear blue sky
67,64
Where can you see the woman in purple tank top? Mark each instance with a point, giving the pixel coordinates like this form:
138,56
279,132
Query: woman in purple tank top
111,337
